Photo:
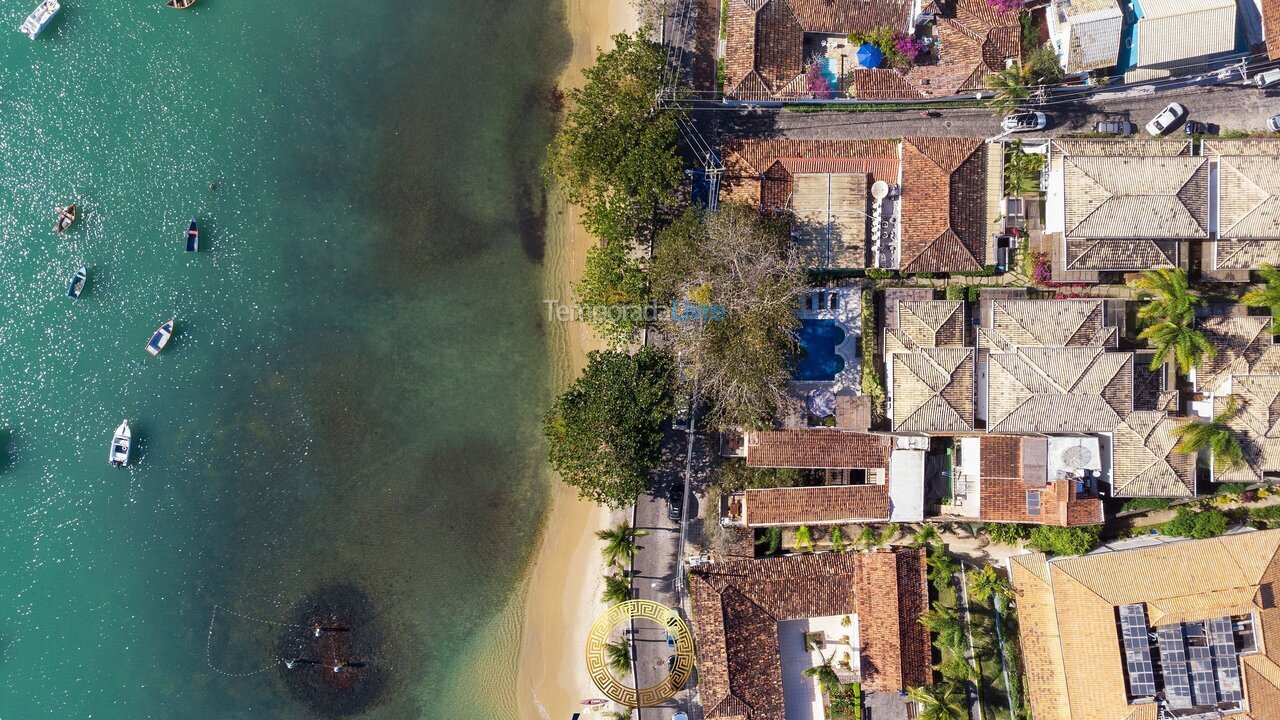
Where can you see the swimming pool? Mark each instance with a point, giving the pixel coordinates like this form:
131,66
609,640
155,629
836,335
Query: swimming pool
818,359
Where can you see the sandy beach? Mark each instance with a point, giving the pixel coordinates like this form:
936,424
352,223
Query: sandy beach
566,578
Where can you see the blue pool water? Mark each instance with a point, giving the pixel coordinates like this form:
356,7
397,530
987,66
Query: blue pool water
829,72
818,359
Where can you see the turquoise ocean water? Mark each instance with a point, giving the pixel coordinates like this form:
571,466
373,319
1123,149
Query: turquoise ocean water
353,391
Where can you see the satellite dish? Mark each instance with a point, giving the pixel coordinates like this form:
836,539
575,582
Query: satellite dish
879,189
1077,457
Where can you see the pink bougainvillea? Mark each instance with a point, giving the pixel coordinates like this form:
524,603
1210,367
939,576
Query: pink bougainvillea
817,83
1041,268
1005,6
907,45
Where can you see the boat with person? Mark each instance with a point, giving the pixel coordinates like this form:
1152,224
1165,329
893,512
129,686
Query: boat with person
76,285
40,18
193,237
121,443
161,337
180,4
64,216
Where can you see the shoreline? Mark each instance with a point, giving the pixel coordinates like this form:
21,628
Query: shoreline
566,577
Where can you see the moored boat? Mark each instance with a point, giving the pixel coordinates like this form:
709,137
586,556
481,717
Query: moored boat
193,237
180,4
121,442
40,18
161,337
77,283
64,217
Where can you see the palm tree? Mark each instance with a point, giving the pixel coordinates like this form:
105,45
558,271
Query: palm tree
942,569
925,536
958,668
1011,89
1215,435
618,655
1269,296
824,674
837,539
1188,345
1172,299
620,542
804,539
868,538
616,589
987,583
943,701
945,622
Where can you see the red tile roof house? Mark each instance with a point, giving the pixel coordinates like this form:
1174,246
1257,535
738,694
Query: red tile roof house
753,618
768,44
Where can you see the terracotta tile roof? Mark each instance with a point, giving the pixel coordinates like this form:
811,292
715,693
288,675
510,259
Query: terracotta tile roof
1121,147
737,606
1067,616
1143,463
1271,27
1244,347
764,39
820,505
760,172
818,448
944,204
974,41
1006,491
1058,390
1156,197
1120,254
1046,323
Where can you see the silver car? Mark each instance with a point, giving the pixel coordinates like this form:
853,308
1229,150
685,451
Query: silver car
1273,123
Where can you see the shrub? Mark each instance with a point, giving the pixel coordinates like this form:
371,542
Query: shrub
1006,533
1005,6
771,540
1041,268
908,46
1231,489
1146,504
986,271
817,83
804,539
881,273
924,275
1199,525
724,17
872,384
733,475
975,291
837,539
1269,514
955,292
1064,541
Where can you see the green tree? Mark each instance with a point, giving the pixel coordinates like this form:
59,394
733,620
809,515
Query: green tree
824,674
620,542
889,533
1268,296
1010,86
987,583
743,282
1207,523
615,154
1187,344
618,655
1064,540
613,292
1215,435
1043,66
617,589
804,539
837,539
926,536
942,569
941,701
604,433
1021,171
1171,298
771,540
867,539
1007,533
957,668
945,624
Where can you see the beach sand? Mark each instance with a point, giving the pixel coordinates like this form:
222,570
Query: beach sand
566,578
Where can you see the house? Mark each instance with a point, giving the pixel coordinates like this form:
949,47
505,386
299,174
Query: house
1143,460
1024,479
947,204
1245,369
825,187
769,43
1172,36
762,623
1124,205
929,368
1085,33
1247,203
1179,629
859,477
967,40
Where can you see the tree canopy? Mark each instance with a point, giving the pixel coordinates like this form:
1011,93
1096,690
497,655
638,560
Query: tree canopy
604,432
615,153
1268,296
1063,540
613,290
736,269
1215,435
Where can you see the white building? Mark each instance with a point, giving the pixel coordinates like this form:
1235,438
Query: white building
1085,33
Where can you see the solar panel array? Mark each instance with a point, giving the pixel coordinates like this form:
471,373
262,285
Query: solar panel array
1173,665
1137,651
1222,642
1204,684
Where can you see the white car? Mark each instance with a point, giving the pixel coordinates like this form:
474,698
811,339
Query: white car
1273,123
1024,120
1168,118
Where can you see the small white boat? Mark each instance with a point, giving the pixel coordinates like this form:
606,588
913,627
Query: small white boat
120,444
76,286
161,337
40,18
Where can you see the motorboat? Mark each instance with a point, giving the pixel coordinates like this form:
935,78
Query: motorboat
40,18
193,237
76,286
161,337
121,442
180,4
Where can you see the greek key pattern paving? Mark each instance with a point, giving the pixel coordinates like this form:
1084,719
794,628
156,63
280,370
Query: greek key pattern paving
598,664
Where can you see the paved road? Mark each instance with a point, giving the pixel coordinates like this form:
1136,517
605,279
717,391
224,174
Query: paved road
1230,107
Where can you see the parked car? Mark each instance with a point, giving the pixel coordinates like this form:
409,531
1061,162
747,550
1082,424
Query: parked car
1273,123
1267,79
1115,127
683,408
1169,117
1195,127
675,502
1024,120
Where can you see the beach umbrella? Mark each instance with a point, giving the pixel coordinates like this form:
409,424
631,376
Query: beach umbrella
869,56
821,402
